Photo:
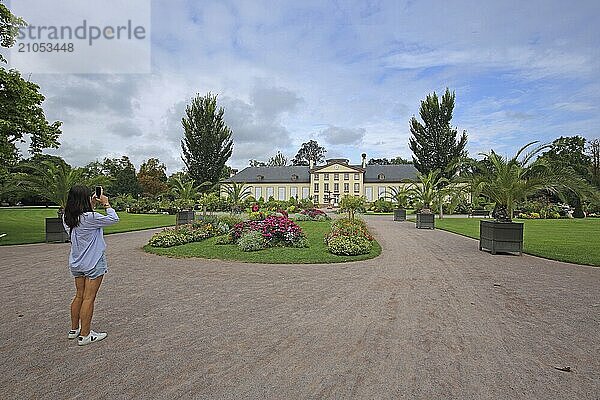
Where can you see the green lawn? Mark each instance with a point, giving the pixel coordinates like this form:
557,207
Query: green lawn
27,225
571,240
316,253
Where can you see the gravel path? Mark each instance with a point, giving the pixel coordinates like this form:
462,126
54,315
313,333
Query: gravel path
432,317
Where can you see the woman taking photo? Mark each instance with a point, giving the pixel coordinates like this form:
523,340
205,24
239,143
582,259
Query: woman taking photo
87,260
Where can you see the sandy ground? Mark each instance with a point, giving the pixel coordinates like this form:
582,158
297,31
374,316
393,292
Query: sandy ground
432,317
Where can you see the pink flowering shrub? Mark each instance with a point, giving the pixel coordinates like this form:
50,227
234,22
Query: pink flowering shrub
315,214
277,230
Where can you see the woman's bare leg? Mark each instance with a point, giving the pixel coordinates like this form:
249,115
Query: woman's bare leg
76,303
87,306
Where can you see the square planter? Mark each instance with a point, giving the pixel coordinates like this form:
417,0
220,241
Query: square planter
504,237
185,217
400,214
55,231
425,221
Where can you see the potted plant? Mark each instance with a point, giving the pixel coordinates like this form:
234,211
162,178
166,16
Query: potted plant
52,181
424,193
506,181
399,195
185,193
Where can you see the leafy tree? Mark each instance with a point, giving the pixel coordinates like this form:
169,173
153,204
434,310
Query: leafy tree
256,163
400,161
207,142
352,204
594,148
378,161
152,177
434,142
123,177
506,181
21,113
278,160
309,151
9,28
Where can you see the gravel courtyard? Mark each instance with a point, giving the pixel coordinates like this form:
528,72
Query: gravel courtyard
432,317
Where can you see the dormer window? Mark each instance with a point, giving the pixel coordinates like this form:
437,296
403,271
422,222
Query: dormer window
381,177
260,177
294,177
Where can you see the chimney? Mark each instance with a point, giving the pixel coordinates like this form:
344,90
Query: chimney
364,160
311,164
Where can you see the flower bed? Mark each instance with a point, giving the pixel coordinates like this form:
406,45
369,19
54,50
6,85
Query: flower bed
183,234
313,214
349,237
275,230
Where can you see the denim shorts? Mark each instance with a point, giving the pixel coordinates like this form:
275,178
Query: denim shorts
99,269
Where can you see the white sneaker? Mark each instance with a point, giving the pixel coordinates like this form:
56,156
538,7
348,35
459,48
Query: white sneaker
91,338
74,333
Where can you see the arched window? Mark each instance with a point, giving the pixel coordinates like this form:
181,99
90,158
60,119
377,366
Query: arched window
260,177
381,177
294,177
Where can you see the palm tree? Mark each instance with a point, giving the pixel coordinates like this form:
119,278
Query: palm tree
398,195
506,181
186,192
236,193
52,181
428,189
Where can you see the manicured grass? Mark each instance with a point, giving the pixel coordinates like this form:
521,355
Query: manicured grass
315,254
27,225
571,240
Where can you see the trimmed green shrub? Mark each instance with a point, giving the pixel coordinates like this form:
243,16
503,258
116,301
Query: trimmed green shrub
349,245
230,220
252,241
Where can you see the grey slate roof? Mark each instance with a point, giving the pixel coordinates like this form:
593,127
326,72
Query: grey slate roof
272,174
391,173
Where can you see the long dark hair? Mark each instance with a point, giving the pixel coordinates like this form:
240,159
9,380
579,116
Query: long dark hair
78,202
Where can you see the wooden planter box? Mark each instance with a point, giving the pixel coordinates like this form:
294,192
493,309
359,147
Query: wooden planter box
55,231
185,217
503,237
426,221
400,214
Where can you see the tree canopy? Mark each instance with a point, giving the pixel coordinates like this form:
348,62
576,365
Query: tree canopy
207,143
434,142
152,177
309,151
384,161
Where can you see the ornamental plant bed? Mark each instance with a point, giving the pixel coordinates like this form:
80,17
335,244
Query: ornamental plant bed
504,237
275,230
349,237
313,214
425,221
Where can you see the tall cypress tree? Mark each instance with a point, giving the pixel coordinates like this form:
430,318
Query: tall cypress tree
434,143
207,142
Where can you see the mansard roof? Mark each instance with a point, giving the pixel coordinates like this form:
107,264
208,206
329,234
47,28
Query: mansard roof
390,173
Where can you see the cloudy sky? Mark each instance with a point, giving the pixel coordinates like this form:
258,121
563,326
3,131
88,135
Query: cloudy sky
347,74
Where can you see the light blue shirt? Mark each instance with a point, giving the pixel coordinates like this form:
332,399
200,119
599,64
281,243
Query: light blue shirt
87,239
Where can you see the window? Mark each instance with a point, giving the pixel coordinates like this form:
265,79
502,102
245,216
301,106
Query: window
346,187
357,187
294,192
269,192
294,177
305,191
336,177
326,187
369,193
356,177
316,199
316,187
336,187
259,177
281,194
326,177
381,191
257,193
346,176
381,177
